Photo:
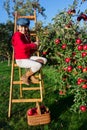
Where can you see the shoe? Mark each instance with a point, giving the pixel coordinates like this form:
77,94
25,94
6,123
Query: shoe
25,80
34,80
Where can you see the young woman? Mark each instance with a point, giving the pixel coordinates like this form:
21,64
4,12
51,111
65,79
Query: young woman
23,50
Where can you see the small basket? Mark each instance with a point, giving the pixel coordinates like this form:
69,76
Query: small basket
38,119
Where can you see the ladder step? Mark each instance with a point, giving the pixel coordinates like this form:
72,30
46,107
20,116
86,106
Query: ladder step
15,65
31,88
21,82
32,17
26,100
18,82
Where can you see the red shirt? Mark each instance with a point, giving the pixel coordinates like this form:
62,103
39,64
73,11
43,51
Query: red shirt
23,47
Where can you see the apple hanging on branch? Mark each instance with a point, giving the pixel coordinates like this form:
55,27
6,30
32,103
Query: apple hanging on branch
83,108
78,41
84,86
69,68
64,46
80,47
57,41
67,60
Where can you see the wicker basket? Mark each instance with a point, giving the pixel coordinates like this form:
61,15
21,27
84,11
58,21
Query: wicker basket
38,119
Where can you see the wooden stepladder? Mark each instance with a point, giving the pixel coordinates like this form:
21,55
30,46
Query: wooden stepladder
14,83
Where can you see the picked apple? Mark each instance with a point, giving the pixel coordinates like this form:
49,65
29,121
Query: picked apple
32,111
43,109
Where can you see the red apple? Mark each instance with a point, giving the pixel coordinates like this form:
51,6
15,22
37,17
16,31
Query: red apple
84,69
64,46
80,47
44,52
57,41
85,47
30,112
80,80
61,92
83,108
84,54
69,68
79,67
67,60
78,41
84,86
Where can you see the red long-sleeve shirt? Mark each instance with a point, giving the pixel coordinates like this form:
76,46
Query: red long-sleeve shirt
23,47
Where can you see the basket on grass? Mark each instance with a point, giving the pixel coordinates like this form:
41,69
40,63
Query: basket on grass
38,116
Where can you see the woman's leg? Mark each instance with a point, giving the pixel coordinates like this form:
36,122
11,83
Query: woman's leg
29,63
33,66
39,59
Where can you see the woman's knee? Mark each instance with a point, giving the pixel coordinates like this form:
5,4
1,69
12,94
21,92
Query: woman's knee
36,67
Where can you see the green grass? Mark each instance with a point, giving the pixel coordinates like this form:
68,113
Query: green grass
61,117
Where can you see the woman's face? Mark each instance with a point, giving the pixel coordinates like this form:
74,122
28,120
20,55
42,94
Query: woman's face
22,29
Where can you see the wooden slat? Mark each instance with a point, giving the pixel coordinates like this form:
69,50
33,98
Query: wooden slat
15,65
26,100
17,82
33,88
21,82
32,34
29,17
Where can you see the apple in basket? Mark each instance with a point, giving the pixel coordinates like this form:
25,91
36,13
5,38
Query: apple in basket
44,109
32,111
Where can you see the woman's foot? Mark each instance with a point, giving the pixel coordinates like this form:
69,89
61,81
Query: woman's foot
25,80
34,79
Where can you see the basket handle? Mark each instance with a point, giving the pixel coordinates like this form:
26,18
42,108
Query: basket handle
38,107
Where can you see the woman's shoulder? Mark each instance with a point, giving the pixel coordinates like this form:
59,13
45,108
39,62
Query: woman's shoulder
17,33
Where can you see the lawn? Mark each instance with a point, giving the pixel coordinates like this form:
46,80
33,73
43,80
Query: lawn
61,116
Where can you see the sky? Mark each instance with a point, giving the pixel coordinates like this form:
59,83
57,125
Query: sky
52,8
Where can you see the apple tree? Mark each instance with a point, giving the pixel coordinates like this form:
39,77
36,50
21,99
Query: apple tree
6,31
23,7
65,46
